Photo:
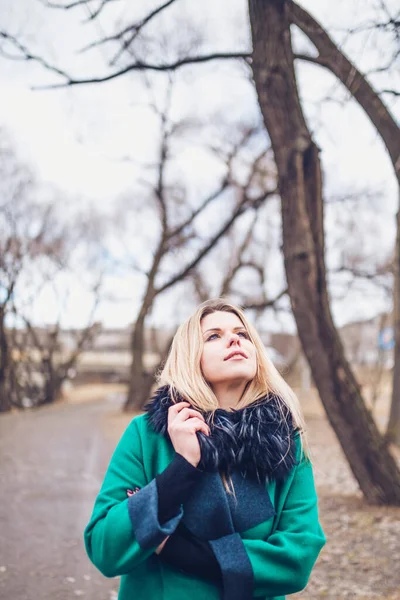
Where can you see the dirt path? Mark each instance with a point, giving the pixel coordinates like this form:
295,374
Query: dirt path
51,465
360,560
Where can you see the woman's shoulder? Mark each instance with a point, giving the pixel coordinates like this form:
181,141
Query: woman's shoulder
139,424
139,428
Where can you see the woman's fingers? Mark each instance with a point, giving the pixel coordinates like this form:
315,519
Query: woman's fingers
183,424
201,426
187,416
194,424
188,413
182,412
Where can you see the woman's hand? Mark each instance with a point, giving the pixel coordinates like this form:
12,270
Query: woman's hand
183,423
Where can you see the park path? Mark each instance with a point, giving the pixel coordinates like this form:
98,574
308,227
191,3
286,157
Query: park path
52,462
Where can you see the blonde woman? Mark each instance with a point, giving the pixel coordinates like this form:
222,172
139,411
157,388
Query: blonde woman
210,494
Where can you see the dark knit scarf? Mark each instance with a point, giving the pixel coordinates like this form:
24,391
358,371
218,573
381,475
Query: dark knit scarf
258,440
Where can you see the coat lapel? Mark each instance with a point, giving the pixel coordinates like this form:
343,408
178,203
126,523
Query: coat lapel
212,513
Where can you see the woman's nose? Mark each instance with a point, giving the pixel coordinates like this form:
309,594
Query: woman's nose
234,339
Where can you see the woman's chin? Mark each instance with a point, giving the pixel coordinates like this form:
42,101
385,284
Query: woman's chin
236,378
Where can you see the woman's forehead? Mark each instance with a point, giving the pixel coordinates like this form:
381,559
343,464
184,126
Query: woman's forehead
221,320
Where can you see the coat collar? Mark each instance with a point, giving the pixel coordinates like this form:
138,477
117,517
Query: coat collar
257,441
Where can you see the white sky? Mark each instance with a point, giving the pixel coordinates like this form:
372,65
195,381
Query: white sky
76,138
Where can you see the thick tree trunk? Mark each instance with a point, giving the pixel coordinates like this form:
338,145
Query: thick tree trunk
331,57
300,185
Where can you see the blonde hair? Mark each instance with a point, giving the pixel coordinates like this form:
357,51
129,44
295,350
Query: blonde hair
183,374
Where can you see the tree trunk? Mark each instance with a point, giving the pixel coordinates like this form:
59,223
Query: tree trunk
5,404
140,382
300,185
331,57
393,427
53,382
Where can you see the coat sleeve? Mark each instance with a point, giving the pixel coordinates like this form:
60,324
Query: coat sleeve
124,530
282,563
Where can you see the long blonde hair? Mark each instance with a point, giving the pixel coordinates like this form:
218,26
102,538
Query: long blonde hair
182,371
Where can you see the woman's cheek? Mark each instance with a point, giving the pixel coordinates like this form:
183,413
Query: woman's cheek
206,364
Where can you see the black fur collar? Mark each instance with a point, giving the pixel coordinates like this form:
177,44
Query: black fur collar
255,440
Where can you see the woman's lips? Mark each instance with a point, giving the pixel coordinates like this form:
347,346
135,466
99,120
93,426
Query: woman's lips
235,355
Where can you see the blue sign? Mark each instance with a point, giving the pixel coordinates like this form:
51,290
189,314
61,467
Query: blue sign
386,338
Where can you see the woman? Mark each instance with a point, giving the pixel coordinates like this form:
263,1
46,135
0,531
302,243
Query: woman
210,494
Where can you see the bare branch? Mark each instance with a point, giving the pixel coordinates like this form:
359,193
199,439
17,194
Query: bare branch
243,205
164,148
392,92
26,55
31,330
95,13
135,30
180,228
334,59
222,187
83,3
86,336
239,262
317,60
200,286
9,292
65,6
386,67
267,303
380,271
136,66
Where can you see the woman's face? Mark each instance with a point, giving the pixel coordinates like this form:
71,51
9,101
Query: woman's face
228,354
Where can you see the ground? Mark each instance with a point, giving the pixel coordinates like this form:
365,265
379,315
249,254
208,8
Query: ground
51,465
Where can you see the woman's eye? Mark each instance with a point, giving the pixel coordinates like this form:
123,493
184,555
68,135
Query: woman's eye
244,334
212,336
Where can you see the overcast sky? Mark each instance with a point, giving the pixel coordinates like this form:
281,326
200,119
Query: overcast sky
79,139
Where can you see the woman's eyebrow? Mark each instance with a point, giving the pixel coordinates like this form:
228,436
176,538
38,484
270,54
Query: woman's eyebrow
219,329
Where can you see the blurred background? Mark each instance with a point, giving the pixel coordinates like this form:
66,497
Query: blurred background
157,154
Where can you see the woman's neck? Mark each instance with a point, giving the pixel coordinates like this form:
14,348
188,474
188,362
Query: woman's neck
229,394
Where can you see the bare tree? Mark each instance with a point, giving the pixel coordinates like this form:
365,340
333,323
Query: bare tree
382,30
30,238
300,182
180,243
332,58
37,249
246,254
43,361
300,187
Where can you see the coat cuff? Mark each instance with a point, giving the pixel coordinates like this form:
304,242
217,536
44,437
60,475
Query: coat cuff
143,513
237,572
175,486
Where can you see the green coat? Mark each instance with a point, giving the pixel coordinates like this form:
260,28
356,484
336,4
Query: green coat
266,551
